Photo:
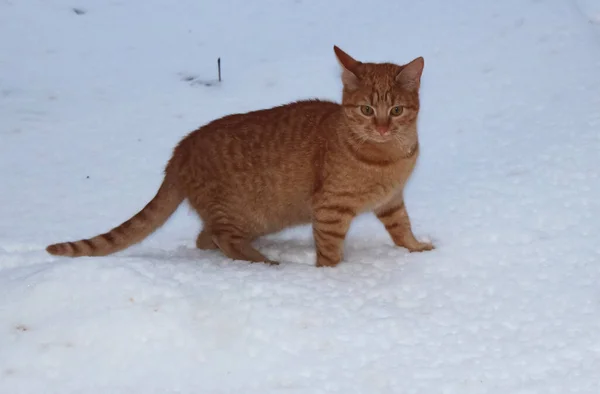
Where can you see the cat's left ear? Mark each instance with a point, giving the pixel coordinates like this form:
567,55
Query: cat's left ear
349,65
410,76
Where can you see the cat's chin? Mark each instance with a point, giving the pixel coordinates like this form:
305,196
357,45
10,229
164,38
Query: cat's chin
380,139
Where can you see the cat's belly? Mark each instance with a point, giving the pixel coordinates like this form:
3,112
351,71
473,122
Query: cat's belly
268,219
269,204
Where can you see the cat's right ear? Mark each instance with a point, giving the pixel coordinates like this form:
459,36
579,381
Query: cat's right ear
349,65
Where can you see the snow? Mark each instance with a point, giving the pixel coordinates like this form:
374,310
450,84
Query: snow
507,187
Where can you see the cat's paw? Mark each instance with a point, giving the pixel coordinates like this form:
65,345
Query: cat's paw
419,246
326,262
267,261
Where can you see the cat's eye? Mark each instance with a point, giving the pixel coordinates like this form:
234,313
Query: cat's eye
366,110
397,111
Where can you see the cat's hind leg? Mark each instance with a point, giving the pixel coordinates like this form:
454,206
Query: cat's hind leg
239,248
224,228
205,241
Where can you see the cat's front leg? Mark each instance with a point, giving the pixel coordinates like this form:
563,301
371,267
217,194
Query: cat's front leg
395,218
330,225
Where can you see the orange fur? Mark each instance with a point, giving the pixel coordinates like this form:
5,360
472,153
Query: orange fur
312,161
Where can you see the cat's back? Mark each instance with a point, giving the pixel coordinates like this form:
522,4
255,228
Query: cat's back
293,120
300,117
282,136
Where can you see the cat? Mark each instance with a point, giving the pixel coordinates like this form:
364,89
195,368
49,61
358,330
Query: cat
311,161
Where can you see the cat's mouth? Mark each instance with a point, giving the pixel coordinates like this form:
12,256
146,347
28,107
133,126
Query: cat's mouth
402,143
382,139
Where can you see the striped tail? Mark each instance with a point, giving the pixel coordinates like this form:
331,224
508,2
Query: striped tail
134,230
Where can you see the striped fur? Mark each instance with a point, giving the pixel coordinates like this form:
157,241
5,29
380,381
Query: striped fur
319,162
134,230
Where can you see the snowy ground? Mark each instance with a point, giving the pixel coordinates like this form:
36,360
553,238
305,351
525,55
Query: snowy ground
92,102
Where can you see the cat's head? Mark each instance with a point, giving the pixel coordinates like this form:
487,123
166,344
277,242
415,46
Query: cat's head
381,100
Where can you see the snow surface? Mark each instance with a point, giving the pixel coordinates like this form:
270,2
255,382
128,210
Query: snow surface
508,188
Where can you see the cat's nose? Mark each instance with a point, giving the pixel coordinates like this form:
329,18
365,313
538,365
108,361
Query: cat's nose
383,130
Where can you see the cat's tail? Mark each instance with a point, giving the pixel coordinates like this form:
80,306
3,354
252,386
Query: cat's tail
134,230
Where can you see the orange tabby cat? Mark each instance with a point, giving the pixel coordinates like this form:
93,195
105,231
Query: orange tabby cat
313,161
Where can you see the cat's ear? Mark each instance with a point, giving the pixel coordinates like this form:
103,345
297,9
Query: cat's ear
349,65
410,76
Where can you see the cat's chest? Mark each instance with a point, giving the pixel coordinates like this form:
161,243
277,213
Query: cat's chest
379,186
375,186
